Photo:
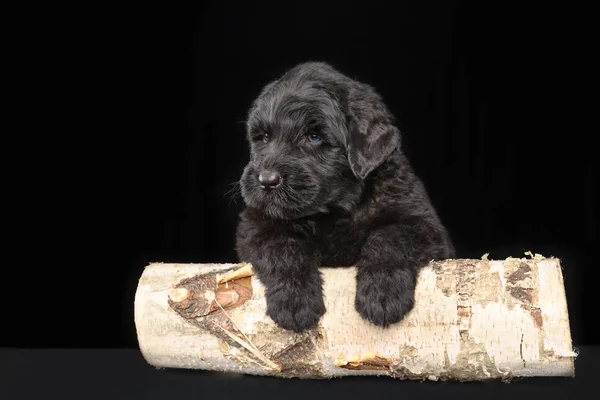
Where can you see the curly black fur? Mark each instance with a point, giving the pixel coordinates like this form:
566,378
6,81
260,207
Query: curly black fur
345,195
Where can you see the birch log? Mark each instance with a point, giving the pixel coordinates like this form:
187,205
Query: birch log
473,320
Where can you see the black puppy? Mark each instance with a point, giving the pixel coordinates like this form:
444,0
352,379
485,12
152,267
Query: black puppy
328,185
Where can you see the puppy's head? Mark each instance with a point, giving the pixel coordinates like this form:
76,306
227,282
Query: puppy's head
314,135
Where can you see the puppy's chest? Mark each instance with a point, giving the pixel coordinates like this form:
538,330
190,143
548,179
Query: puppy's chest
340,242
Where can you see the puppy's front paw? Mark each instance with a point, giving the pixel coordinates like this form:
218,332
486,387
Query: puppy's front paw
293,310
384,297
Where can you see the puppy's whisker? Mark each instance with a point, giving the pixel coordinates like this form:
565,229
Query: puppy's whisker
233,193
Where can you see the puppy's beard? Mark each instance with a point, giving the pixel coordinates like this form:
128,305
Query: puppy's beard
297,197
281,203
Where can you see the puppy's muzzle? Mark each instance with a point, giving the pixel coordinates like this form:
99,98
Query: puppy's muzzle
269,179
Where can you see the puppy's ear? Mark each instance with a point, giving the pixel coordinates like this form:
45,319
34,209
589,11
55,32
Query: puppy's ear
372,136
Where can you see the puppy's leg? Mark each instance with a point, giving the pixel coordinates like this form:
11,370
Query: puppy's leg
294,293
287,266
388,267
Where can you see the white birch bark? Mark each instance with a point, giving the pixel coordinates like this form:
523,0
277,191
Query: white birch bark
473,320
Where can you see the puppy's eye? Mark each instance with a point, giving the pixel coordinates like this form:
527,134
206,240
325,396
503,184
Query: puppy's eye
314,138
261,137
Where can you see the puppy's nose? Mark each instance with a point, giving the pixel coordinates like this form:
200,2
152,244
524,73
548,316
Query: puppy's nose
269,179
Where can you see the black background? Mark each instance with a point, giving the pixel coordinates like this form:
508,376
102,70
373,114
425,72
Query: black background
133,133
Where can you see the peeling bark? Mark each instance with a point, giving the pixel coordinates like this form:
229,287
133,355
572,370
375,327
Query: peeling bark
473,320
